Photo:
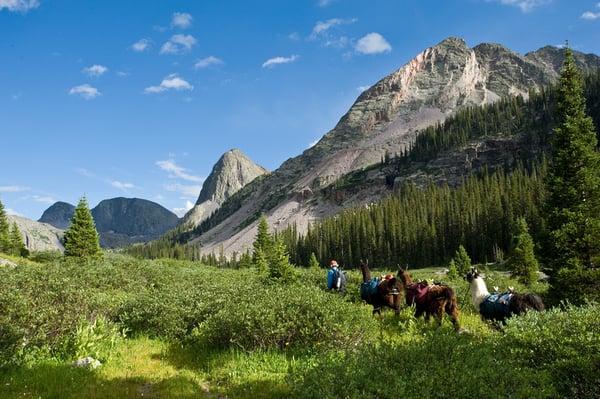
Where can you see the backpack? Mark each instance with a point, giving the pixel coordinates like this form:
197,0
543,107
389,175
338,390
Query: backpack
341,280
336,280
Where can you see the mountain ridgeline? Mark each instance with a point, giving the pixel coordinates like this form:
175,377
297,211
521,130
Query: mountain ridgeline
119,221
395,133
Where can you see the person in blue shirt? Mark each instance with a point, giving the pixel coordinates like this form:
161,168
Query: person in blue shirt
336,279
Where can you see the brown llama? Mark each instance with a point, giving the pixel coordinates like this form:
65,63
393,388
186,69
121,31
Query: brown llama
380,292
430,299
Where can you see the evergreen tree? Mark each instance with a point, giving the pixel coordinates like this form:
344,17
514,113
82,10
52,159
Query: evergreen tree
4,231
260,261
279,262
81,239
573,180
522,262
452,269
245,261
17,246
313,263
263,240
462,260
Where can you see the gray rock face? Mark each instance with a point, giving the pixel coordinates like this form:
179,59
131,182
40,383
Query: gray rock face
38,236
385,119
58,215
233,171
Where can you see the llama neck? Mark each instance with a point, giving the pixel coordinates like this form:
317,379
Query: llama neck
366,273
478,291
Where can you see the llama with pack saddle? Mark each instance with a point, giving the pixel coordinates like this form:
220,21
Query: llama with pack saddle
430,299
498,307
380,292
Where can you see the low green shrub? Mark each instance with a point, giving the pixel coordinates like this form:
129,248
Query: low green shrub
292,316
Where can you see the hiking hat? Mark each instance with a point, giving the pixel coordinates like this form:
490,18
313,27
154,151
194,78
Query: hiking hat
333,263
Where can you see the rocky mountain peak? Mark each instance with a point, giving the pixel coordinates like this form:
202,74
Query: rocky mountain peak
232,172
58,215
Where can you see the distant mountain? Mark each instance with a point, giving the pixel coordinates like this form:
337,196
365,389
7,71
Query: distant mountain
121,221
385,119
233,171
38,236
58,215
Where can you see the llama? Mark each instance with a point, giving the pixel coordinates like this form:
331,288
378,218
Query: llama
379,292
499,307
430,300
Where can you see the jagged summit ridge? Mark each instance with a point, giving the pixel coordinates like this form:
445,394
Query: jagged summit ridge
232,172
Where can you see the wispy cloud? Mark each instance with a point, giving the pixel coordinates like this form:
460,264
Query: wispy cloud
362,88
123,186
84,172
178,44
373,43
183,210
176,171
181,20
171,82
271,62
321,27
19,5
95,70
208,61
141,45
524,5
191,191
13,189
42,199
10,211
313,143
85,91
325,3
591,15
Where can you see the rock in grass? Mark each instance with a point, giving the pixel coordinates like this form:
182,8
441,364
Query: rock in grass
8,263
87,362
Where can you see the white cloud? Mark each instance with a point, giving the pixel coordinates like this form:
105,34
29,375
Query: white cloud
524,5
362,88
313,143
43,199
84,172
123,186
373,43
322,27
95,70
208,61
591,15
294,36
10,211
123,74
181,20
19,5
13,189
85,91
141,45
187,190
324,3
271,62
178,44
176,171
182,211
171,82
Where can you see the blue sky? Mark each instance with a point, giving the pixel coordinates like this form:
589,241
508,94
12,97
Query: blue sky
140,98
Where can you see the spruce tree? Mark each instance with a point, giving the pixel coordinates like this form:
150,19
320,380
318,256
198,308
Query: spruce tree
573,204
452,269
523,263
4,231
279,262
81,239
462,260
263,240
17,246
260,261
313,263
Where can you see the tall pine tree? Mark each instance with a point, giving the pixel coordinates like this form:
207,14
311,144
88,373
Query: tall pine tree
81,239
4,231
263,241
573,191
522,262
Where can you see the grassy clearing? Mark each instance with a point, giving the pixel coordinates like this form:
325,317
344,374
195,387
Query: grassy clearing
194,331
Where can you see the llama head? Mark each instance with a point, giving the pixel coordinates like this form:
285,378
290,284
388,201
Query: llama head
472,274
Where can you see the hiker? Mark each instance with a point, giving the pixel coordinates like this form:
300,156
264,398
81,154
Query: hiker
336,279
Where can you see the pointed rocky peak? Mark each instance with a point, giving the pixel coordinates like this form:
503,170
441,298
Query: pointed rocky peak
58,215
231,172
551,58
